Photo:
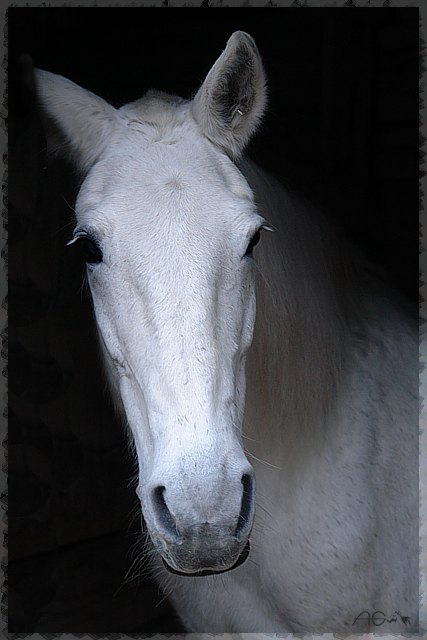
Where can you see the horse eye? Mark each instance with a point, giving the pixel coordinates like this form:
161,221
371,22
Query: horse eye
89,250
253,243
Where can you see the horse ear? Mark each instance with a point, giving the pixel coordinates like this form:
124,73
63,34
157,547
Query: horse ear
230,103
85,120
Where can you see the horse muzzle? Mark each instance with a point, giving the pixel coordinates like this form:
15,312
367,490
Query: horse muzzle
214,542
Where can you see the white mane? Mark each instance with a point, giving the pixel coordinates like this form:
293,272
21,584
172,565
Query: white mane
304,293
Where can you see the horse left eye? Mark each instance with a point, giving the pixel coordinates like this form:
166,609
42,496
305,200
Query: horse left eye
89,249
253,243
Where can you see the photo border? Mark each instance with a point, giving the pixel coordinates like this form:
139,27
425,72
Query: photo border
422,6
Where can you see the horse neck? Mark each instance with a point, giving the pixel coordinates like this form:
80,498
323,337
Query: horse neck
303,289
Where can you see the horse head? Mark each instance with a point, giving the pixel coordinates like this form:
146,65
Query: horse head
167,224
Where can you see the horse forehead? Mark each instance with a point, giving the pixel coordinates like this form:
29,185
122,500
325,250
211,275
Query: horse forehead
145,188
185,168
159,145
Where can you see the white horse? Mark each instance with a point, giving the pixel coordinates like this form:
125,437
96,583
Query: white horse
320,392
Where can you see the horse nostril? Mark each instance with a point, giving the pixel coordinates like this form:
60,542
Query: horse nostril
246,511
164,517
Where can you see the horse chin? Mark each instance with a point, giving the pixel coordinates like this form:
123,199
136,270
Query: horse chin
209,572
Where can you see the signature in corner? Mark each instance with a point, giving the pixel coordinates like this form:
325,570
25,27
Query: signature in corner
379,617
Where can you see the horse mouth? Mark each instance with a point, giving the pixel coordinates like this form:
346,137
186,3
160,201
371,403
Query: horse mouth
210,572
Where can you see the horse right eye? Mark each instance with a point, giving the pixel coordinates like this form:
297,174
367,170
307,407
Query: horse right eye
89,250
253,243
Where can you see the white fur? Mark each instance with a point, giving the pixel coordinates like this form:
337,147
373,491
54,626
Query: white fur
86,120
330,417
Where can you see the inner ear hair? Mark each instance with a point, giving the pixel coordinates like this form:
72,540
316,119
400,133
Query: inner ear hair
230,103
235,91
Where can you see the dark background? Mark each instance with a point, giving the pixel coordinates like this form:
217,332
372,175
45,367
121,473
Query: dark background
342,128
